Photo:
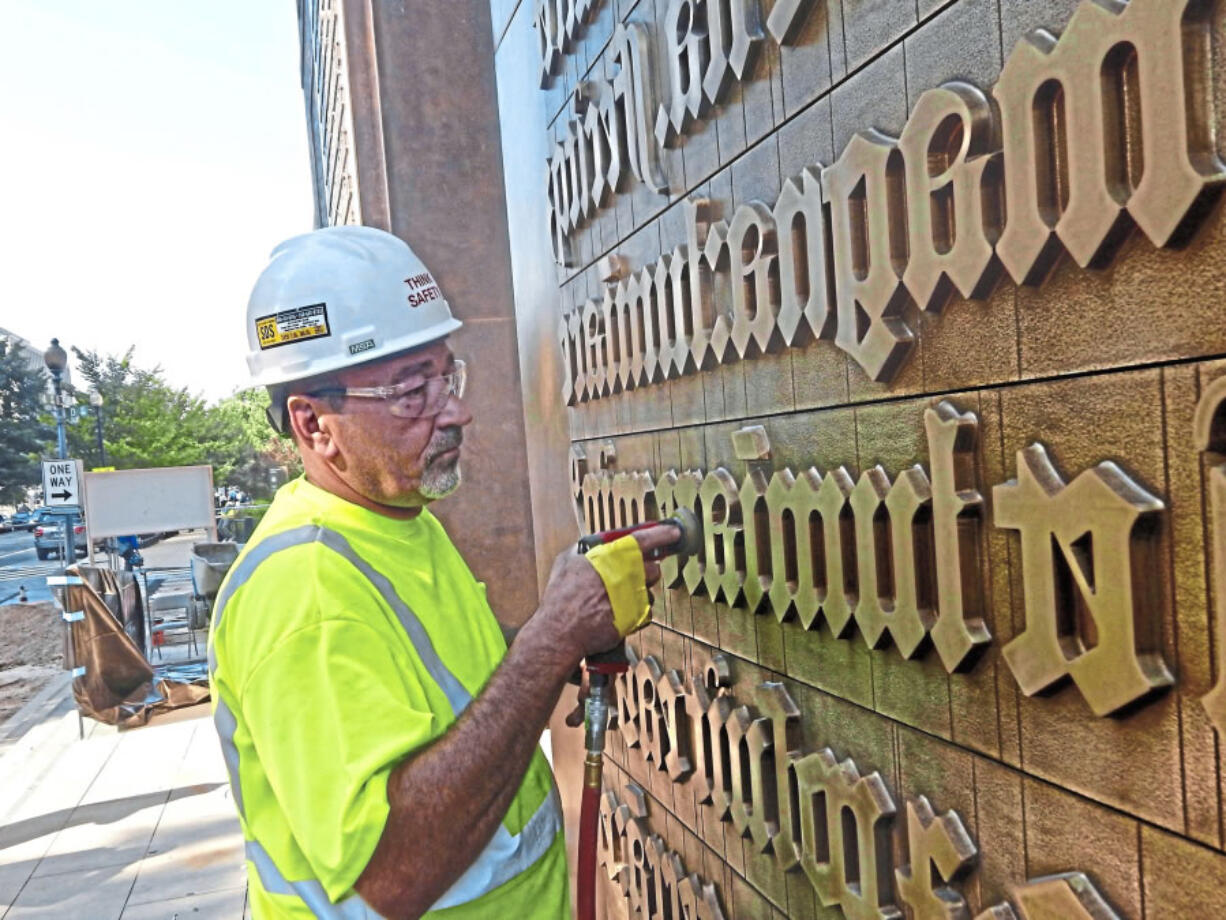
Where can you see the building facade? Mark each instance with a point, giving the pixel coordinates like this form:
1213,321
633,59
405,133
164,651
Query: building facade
917,305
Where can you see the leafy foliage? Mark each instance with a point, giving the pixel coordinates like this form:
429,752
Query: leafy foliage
146,422
265,459
24,431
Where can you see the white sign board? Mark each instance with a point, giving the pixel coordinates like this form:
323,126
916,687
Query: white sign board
61,482
127,502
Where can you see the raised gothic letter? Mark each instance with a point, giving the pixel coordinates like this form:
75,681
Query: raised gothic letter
594,344
735,32
559,207
710,713
868,225
799,581
873,563
934,843
1091,592
639,865
615,309
612,849
569,362
549,49
756,576
778,817
706,330
634,95
647,317
645,675
1069,896
960,633
838,550
910,506
787,18
804,291
1210,424
595,144
675,491
835,799
742,800
685,35
672,349
724,534
676,730
951,149
1111,124
752,251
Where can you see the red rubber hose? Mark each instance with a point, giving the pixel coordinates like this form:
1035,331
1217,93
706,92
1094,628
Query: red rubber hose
589,821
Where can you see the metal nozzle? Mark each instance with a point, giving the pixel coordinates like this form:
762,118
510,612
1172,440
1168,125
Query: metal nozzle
689,543
686,521
596,713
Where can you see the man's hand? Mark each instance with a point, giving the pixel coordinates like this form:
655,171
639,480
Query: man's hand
576,606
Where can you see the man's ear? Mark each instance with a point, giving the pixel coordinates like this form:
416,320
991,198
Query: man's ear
308,429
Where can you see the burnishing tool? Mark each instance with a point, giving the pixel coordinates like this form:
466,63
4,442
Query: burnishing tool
601,669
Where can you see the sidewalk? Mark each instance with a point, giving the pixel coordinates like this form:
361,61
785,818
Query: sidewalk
133,825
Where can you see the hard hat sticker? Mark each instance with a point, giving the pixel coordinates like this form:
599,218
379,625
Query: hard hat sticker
294,325
422,289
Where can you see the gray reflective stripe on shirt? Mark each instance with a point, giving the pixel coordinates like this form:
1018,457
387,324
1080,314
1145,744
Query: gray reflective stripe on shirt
507,855
311,892
227,725
504,857
455,692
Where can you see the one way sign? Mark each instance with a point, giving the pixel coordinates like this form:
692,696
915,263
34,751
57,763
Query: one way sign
61,482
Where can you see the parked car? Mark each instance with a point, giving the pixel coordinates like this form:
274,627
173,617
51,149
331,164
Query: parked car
22,520
48,539
5,526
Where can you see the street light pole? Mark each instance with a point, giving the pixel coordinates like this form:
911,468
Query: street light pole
56,360
95,400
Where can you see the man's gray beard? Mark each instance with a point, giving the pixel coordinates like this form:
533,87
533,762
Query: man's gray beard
440,480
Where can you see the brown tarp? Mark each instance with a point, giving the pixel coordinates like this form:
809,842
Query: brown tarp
119,685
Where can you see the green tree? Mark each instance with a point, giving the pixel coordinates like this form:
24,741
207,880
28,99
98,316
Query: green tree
266,459
24,432
146,422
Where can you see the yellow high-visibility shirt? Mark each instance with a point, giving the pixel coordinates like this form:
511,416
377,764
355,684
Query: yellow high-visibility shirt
343,640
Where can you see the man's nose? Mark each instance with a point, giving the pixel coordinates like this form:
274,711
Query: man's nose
454,413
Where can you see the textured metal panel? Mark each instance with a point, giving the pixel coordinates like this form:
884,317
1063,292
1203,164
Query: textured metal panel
1017,634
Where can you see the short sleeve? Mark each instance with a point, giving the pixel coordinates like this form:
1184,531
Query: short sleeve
331,712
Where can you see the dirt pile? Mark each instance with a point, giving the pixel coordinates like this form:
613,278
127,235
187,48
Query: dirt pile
31,652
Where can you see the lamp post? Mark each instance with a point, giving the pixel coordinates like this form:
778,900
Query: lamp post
95,400
56,360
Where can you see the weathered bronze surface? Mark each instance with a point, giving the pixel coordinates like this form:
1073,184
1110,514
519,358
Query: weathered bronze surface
917,304
400,144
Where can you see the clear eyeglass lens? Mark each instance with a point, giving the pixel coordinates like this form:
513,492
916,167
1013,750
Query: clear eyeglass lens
431,397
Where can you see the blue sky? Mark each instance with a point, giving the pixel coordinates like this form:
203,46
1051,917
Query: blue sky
154,152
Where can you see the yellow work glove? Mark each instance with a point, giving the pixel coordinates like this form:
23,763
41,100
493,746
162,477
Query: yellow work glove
620,566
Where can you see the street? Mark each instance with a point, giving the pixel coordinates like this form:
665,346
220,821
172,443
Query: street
19,566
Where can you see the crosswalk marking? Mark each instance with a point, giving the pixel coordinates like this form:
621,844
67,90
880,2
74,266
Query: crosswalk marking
30,571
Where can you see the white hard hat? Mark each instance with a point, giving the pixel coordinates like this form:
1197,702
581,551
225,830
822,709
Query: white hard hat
337,297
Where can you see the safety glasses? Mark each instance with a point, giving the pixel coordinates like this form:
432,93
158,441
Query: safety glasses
413,398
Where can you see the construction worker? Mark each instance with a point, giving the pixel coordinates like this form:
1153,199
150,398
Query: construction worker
380,736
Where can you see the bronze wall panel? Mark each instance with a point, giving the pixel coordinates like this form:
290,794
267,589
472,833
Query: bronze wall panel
1053,764
432,186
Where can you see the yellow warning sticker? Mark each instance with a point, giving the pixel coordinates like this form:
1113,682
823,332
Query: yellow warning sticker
292,326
